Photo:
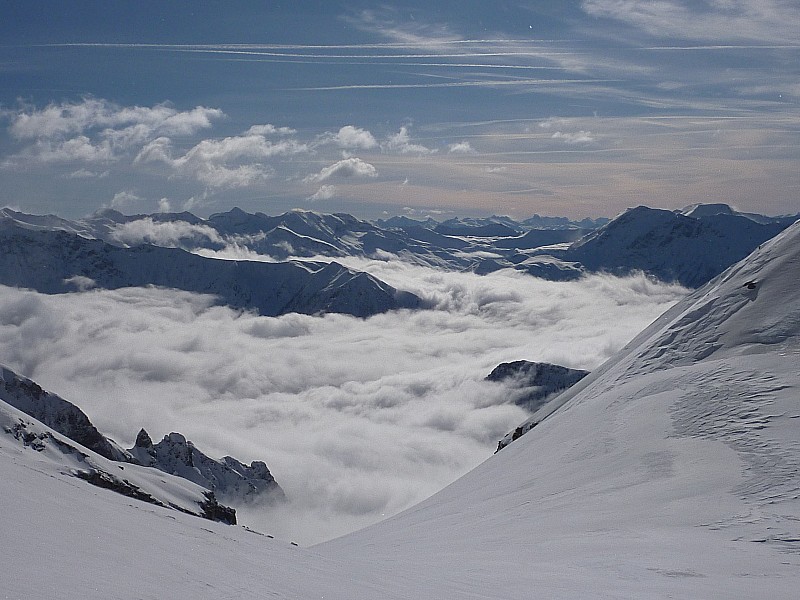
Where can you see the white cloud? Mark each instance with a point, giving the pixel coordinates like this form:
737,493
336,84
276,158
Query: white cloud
772,21
347,167
413,33
96,130
125,200
164,205
401,142
87,174
356,418
270,129
157,150
77,149
71,118
325,192
552,122
228,162
355,137
169,233
578,137
461,148
81,282
240,147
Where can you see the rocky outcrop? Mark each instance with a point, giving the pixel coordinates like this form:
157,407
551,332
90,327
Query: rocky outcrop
231,480
535,382
534,385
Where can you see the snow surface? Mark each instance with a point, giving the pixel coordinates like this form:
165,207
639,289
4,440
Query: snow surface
671,471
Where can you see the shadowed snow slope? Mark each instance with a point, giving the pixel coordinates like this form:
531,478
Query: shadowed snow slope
56,261
671,471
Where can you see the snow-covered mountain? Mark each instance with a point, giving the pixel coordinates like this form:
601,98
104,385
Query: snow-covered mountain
462,227
25,440
230,480
58,261
671,246
670,471
689,246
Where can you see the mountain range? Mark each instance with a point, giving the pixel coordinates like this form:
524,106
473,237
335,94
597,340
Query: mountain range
51,260
689,247
672,470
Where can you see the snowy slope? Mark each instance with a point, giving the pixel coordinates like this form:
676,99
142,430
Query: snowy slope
674,470
26,441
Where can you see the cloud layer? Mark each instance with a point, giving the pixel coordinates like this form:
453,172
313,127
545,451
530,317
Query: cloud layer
357,418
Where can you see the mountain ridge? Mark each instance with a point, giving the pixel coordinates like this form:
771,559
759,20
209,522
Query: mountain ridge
48,261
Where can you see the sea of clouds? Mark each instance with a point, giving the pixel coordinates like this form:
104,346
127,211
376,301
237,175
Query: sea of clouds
357,418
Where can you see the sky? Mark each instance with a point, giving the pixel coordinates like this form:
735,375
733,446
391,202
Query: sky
567,108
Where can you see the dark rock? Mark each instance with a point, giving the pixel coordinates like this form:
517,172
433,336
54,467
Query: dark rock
536,382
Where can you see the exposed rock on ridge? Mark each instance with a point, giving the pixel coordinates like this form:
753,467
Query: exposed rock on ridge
228,478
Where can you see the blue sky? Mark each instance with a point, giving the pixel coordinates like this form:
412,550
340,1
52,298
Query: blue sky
447,108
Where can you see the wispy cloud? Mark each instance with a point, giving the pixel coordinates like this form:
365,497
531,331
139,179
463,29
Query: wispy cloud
325,192
229,162
576,137
387,23
347,167
755,21
168,234
461,148
401,142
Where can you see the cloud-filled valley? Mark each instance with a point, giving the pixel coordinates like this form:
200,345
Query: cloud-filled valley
357,418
